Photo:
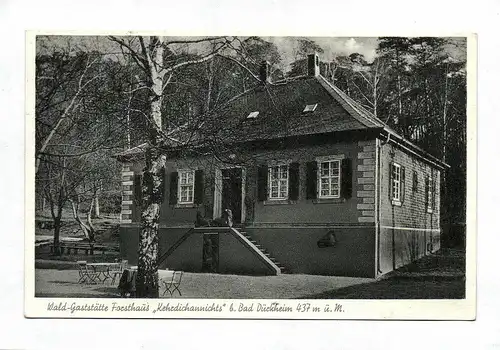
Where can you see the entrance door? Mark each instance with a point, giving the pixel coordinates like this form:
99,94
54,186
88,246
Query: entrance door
231,192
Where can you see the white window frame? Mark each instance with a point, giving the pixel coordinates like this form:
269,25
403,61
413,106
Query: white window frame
279,179
396,182
330,159
430,194
180,172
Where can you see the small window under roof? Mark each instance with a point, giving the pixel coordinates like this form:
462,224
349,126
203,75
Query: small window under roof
253,115
310,108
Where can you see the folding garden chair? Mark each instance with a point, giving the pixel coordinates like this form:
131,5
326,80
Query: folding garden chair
116,271
172,284
85,274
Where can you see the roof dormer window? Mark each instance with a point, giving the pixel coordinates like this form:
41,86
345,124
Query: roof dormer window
310,108
253,115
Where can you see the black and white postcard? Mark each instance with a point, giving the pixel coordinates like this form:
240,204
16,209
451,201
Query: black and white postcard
264,177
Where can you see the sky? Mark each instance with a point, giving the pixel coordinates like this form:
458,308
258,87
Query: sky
332,46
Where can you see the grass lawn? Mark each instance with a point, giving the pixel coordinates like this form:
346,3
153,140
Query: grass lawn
107,228
107,233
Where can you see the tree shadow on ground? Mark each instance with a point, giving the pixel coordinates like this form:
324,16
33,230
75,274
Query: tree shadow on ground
399,289
437,276
75,295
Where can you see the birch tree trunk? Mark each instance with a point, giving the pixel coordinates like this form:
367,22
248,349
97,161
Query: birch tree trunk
87,230
149,58
153,179
97,210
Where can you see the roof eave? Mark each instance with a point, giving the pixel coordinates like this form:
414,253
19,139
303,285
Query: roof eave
391,136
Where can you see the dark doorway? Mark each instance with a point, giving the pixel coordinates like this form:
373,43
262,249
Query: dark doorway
210,253
231,192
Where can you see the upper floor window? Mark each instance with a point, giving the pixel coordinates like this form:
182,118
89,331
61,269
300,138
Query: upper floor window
329,178
278,181
186,186
396,182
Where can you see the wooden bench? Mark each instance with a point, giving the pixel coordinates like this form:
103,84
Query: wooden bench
44,224
88,248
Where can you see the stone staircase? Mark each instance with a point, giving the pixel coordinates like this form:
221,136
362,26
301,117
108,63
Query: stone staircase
262,249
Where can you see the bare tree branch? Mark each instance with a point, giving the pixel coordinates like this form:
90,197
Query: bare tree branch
141,62
172,42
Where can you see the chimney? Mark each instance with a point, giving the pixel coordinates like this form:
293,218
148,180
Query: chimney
265,72
313,65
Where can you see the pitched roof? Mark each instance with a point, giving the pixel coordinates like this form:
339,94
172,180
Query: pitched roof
281,111
281,114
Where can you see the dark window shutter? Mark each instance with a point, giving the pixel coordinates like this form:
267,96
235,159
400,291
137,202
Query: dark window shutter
434,192
390,181
403,184
293,181
262,183
415,181
198,187
311,180
346,178
426,192
138,190
174,179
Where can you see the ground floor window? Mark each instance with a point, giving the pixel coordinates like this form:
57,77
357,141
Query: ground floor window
278,181
396,182
430,194
329,178
186,186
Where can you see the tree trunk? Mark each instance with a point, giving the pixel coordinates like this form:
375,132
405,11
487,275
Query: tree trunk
89,220
87,231
445,105
153,189
97,212
57,231
153,181
401,119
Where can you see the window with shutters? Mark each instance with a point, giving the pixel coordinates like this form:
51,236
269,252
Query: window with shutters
185,190
278,181
430,194
396,182
329,178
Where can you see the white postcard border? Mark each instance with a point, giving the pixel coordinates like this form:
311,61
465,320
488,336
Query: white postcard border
459,309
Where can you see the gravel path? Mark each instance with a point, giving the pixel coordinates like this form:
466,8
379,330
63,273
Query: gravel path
439,276
63,283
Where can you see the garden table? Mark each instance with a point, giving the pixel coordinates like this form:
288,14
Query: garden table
103,271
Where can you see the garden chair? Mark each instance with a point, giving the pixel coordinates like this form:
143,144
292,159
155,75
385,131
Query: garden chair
173,283
117,270
85,274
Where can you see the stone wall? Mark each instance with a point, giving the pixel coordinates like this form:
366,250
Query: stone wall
365,181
